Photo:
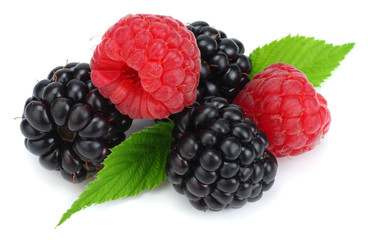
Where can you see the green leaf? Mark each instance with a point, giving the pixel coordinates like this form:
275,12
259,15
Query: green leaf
135,165
315,58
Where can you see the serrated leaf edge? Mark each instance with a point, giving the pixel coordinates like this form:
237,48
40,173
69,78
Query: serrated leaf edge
86,195
317,44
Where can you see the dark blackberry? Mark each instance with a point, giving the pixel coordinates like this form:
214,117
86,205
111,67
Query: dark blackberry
219,158
225,69
69,125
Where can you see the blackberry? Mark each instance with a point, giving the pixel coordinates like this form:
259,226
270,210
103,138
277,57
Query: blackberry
219,158
224,67
69,125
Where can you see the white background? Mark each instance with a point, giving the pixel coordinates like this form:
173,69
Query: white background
318,195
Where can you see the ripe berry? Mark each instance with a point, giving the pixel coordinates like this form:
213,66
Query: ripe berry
224,67
147,65
219,158
286,107
69,125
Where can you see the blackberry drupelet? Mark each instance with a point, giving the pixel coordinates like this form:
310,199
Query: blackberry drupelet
69,125
224,67
219,158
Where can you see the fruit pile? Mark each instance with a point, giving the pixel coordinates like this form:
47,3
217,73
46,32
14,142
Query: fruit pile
229,115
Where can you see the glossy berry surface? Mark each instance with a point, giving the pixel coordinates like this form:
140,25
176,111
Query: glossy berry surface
224,67
147,65
219,158
287,108
69,124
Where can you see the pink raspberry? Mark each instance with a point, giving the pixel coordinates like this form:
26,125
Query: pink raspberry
287,108
147,65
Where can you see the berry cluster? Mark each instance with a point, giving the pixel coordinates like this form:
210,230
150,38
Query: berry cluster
151,67
224,67
69,125
219,158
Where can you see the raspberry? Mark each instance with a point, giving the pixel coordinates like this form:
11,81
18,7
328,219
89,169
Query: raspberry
69,125
219,158
287,108
224,67
147,65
